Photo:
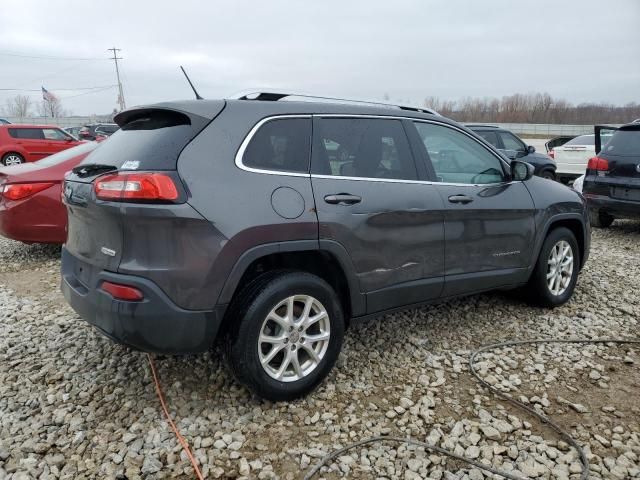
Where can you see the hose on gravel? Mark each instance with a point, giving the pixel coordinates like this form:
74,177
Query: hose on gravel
543,418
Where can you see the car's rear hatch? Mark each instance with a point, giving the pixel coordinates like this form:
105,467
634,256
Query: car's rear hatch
150,140
573,158
619,174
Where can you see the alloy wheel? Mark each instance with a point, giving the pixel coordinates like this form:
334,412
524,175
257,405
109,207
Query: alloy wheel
294,338
12,160
560,267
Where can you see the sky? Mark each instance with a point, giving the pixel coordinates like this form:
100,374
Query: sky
578,50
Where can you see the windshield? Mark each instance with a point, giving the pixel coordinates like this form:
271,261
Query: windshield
68,154
583,140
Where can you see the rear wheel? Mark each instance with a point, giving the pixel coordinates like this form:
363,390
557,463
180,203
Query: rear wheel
600,219
556,273
548,174
12,158
286,336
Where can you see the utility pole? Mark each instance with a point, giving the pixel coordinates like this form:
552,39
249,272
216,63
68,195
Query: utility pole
120,91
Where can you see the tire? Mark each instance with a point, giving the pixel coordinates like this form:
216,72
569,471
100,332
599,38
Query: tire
252,314
548,174
539,289
600,219
12,158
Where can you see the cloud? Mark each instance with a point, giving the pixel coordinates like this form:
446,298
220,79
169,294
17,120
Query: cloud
409,49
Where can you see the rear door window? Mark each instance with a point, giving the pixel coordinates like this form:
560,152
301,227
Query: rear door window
282,145
54,134
27,133
362,147
490,137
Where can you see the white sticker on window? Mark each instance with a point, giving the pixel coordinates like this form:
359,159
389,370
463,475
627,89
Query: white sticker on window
130,165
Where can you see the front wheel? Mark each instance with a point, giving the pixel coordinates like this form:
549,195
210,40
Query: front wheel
286,336
556,272
12,159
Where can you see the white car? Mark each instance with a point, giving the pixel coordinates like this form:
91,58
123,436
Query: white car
572,157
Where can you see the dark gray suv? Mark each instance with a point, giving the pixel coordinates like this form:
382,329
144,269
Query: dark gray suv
273,224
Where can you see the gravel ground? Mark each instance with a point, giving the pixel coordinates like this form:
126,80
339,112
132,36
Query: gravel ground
73,405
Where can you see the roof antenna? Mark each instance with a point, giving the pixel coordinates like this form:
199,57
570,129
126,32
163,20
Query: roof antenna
198,97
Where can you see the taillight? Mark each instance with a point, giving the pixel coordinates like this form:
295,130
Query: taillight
552,154
597,163
18,191
122,292
136,186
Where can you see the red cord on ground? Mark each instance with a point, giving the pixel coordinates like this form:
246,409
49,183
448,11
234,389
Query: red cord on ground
180,438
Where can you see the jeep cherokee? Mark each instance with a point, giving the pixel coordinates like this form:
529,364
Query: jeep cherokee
274,223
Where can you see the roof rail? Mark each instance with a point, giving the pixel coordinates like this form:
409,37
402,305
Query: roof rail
483,125
275,96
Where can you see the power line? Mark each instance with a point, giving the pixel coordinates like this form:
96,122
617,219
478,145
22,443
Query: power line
56,89
47,57
89,92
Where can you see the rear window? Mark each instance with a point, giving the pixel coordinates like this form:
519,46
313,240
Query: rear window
151,140
624,142
27,133
68,154
582,140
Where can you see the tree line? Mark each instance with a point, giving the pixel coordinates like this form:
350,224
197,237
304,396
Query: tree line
21,106
532,108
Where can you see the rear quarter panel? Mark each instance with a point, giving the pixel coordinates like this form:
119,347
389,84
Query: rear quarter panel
235,202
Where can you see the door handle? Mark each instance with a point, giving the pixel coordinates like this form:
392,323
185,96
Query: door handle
342,199
460,199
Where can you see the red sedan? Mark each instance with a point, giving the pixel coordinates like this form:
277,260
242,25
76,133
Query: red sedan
28,143
31,208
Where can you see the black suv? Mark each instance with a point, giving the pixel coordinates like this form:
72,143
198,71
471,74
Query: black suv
95,130
274,224
612,181
514,148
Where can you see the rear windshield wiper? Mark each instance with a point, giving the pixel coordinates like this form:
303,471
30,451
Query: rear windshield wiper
92,169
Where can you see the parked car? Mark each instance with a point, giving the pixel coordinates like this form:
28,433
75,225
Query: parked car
612,182
4,121
31,208
28,143
214,218
97,130
514,148
572,157
73,131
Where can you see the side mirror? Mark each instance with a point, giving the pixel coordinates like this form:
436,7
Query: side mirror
521,171
531,149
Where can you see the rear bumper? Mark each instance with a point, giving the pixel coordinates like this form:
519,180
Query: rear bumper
155,324
613,206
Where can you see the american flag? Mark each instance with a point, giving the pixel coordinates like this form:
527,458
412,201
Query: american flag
47,95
